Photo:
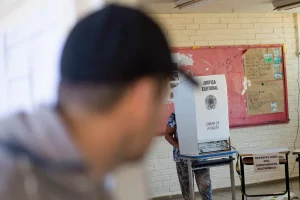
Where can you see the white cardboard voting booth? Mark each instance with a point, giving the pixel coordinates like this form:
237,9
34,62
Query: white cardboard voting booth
201,113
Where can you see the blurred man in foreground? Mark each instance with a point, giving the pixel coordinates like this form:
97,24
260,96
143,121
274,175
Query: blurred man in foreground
114,72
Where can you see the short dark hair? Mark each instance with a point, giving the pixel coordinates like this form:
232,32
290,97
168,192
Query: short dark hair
99,97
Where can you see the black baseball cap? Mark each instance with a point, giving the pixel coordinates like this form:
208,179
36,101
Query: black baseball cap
116,44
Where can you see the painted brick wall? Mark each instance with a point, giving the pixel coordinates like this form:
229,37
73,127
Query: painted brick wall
33,80
230,29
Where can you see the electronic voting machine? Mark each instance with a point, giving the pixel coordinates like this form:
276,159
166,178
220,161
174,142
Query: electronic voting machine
202,115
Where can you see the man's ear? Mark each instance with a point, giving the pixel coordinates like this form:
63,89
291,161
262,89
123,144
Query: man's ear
141,95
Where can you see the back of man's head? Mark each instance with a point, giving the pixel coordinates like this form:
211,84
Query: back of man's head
108,51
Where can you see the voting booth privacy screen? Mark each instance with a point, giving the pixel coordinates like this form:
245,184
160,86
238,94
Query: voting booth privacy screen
202,114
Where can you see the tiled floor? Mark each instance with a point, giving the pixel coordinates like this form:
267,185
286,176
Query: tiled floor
254,189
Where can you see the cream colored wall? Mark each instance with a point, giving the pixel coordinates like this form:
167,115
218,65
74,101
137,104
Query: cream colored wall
185,30
33,36
132,182
85,7
23,13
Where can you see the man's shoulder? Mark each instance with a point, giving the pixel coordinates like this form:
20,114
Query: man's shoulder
7,161
9,131
9,125
21,126
7,171
15,126
12,131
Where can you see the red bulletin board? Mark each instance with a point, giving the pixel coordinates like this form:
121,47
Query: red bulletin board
229,60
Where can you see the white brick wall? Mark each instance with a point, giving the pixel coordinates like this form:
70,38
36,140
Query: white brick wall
29,49
230,29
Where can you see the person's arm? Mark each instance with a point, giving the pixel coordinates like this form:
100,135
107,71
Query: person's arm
169,135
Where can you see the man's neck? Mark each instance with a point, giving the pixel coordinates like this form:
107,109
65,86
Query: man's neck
96,141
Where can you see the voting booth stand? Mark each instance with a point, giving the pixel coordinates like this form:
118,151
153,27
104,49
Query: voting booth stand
203,126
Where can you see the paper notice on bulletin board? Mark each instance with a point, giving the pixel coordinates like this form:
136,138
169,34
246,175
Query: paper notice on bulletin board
265,98
263,64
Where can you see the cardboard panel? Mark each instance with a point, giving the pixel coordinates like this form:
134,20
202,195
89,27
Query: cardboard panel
263,64
265,98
